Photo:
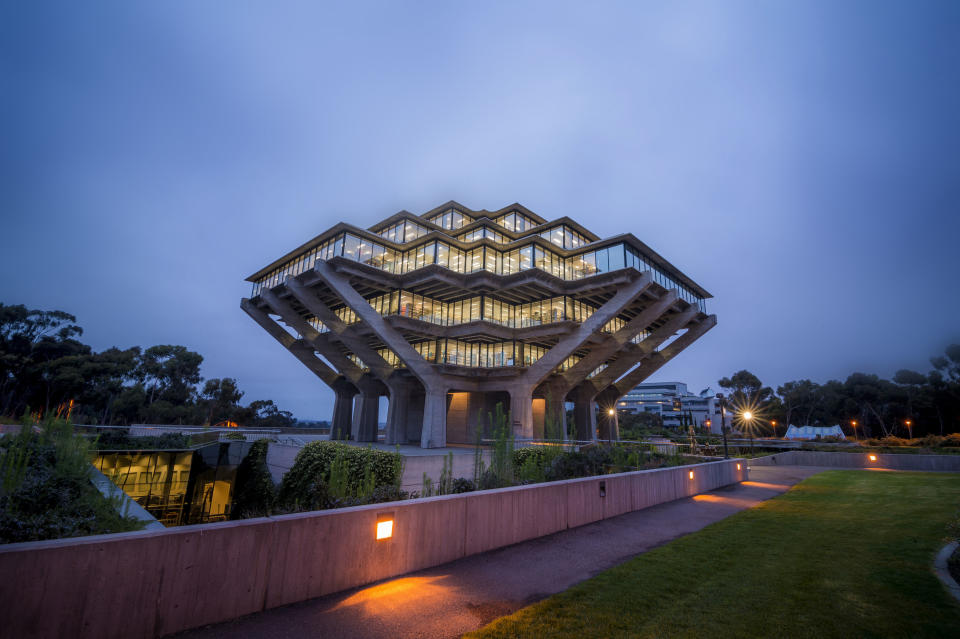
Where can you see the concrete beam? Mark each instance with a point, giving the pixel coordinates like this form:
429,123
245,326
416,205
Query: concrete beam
389,335
341,331
615,342
633,353
658,359
593,324
298,348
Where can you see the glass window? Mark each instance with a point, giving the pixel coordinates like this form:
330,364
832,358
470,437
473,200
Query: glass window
351,247
526,258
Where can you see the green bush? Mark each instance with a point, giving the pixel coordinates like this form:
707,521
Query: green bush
305,484
255,493
521,455
47,492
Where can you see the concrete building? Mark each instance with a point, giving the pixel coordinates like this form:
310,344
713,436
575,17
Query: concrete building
454,311
672,400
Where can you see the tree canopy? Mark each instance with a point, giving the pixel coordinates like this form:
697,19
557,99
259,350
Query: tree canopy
43,365
864,402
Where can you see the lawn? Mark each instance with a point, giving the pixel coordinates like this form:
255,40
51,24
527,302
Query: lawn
843,554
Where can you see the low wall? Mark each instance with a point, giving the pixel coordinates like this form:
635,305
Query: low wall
149,584
888,461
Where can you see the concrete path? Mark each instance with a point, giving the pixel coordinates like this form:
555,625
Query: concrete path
464,595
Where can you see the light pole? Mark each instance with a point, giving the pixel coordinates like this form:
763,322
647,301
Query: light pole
909,428
723,424
853,423
747,416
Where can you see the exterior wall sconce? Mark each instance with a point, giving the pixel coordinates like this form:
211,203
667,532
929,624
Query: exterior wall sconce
603,489
691,474
384,526
873,458
738,466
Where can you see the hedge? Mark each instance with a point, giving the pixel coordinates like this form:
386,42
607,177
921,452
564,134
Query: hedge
312,466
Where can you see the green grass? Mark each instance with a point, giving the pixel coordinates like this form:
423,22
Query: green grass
843,554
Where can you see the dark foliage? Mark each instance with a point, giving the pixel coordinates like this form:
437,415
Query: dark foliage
121,440
305,484
43,365
55,497
254,490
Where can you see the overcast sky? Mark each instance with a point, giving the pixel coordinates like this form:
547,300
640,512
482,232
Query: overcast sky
799,160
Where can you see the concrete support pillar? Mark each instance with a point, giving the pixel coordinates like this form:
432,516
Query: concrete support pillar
556,413
434,431
367,420
413,422
584,419
521,411
396,414
608,425
341,426
405,411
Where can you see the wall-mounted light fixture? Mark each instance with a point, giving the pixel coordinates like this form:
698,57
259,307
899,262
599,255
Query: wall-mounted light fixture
384,526
691,474
873,458
738,466
603,489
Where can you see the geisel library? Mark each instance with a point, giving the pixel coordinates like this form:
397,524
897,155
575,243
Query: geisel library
454,311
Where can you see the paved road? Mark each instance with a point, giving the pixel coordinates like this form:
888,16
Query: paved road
464,595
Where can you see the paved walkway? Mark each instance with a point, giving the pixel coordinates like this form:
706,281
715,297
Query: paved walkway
466,594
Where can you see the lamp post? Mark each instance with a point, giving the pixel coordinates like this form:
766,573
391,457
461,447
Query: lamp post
909,428
747,416
853,423
723,424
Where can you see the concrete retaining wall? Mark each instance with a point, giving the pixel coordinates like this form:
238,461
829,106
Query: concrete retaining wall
889,461
149,584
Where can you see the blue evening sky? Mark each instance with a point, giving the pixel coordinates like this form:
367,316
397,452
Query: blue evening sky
800,160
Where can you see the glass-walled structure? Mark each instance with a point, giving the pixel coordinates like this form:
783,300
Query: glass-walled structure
469,308
178,487
481,308
500,262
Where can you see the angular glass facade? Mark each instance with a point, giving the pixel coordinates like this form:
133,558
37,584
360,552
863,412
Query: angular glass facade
575,267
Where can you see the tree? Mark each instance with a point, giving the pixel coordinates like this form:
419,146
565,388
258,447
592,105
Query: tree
170,373
799,398
221,398
746,388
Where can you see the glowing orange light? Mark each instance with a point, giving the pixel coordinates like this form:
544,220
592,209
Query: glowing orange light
691,474
384,529
873,458
611,412
738,466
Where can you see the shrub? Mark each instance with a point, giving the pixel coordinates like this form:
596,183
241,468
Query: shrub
47,493
303,485
255,493
952,440
521,455
463,485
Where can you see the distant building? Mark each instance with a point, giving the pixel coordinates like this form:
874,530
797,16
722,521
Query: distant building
672,400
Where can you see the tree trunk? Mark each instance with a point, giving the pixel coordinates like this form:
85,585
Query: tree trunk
883,426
